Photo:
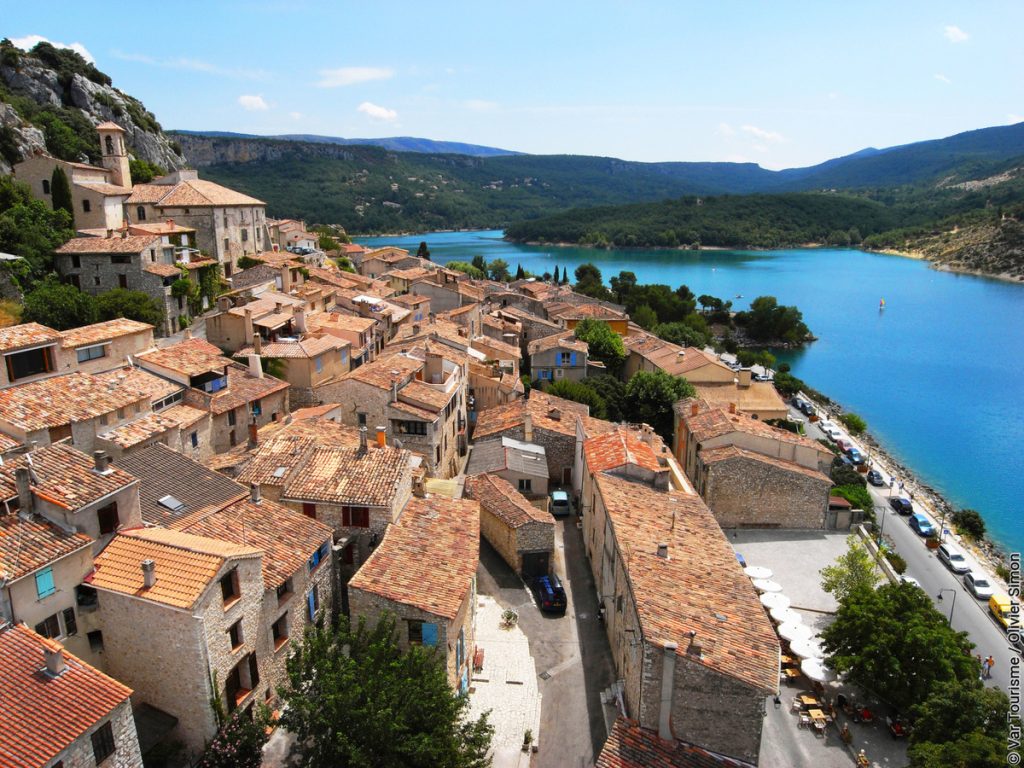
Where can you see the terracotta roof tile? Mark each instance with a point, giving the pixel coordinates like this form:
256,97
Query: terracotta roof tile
163,270
630,746
344,475
668,357
135,378
107,125
16,337
340,321
59,400
103,188
580,311
273,461
548,412
194,193
99,332
425,396
189,358
63,476
385,371
152,424
28,545
244,387
116,244
43,715
620,447
716,421
497,496
726,452
428,558
309,347
759,396
557,341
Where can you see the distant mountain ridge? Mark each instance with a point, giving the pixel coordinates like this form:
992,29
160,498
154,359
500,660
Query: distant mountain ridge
393,143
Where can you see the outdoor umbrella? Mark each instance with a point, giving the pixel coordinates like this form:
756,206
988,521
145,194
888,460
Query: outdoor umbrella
766,585
758,572
816,670
775,600
807,649
794,632
786,616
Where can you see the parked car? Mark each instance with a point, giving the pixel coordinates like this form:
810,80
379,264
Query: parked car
955,561
855,455
901,505
875,478
843,445
910,580
831,431
560,506
550,594
919,523
978,585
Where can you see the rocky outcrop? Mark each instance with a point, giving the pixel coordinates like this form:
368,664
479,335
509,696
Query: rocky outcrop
31,79
214,150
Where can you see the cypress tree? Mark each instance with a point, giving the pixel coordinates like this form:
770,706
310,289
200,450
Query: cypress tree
60,192
520,274
554,280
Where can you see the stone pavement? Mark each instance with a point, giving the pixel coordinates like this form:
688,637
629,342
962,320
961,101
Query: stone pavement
507,686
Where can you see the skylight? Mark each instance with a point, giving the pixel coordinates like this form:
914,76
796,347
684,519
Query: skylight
171,503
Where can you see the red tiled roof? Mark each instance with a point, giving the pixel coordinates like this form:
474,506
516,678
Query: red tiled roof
548,412
716,422
344,475
59,400
428,558
630,746
190,357
42,715
106,331
726,452
26,335
244,387
135,378
618,448
116,244
497,496
557,341
28,545
194,193
63,476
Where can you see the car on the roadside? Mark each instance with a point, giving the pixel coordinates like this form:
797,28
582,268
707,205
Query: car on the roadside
875,478
978,585
910,580
559,506
855,455
830,430
901,505
806,408
920,525
843,445
550,594
953,559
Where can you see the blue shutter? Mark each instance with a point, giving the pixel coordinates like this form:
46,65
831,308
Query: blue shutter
44,582
311,599
429,633
572,358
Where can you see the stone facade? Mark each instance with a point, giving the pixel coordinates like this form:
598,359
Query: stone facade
559,448
513,543
92,208
558,363
126,743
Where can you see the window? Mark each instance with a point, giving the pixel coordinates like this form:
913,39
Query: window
235,635
70,622
92,353
96,279
120,414
110,151
257,408
544,374
567,358
49,627
31,362
314,560
86,206
95,640
227,245
245,235
320,364
76,261
410,427
229,587
44,583
121,258
103,742
108,518
284,591
525,485
232,418
362,419
46,187
194,437
356,517
225,221
422,632
279,631
313,601
342,354
309,509
122,281
140,213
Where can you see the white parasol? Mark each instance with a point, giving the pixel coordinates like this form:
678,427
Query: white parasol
775,600
807,649
766,585
816,670
794,632
786,616
758,572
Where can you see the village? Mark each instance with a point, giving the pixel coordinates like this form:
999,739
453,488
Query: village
182,501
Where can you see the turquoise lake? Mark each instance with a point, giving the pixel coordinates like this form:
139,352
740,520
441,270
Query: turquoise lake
935,375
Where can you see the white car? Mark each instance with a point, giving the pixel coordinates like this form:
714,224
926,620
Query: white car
978,585
910,580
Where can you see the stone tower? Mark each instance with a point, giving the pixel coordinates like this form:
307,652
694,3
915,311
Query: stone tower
115,156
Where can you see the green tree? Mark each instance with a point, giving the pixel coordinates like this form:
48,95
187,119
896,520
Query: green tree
355,700
969,523
857,494
854,423
854,570
135,305
30,228
58,305
605,344
645,317
423,252
470,269
622,285
961,725
60,193
480,263
578,392
248,262
893,641
767,320
239,742
682,334
520,274
565,275
612,390
144,172
498,271
554,279
588,282
650,396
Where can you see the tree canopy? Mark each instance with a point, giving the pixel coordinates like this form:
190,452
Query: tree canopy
605,344
30,228
588,282
58,305
854,570
962,725
767,320
650,396
135,305
354,700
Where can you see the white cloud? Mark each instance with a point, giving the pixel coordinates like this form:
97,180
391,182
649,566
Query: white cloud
480,105
1014,119
954,34
252,103
762,134
943,79
377,112
726,130
339,78
28,42
191,65
295,115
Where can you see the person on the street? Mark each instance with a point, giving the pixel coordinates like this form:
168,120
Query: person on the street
985,666
991,662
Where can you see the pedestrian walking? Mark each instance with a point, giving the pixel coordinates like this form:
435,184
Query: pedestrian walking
984,669
990,662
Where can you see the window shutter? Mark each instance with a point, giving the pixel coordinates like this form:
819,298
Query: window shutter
572,358
429,633
44,583
311,599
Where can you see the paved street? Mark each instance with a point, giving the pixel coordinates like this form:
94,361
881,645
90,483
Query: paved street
570,652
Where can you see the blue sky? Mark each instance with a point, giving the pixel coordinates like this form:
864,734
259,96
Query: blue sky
781,84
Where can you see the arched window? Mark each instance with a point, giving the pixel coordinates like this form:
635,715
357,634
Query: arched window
140,213
110,145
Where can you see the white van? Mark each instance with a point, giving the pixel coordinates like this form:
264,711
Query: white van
953,559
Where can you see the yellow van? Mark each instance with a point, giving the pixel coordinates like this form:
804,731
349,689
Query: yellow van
1004,610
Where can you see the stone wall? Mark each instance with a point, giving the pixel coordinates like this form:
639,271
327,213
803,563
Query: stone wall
126,743
560,450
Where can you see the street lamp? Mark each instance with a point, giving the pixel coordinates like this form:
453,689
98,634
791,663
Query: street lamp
880,510
953,606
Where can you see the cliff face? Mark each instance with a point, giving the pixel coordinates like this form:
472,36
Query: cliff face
214,150
988,248
33,93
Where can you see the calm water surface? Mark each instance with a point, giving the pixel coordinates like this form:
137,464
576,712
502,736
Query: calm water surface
937,375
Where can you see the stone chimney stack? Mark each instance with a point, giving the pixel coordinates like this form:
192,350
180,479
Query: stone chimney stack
528,428
256,366
53,654
101,463
663,550
382,436
744,377
668,672
694,409
23,482
419,489
254,493
299,320
362,441
148,573
257,344
732,407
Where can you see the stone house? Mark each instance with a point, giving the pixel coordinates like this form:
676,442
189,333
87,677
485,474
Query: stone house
691,643
419,306
362,334
746,489
97,193
402,280
389,316
521,533
60,711
489,387
646,352
629,745
523,465
447,291
376,262
102,346
271,315
468,316
504,329
758,399
568,316
558,357
232,394
424,574
532,326
30,351
307,363
228,224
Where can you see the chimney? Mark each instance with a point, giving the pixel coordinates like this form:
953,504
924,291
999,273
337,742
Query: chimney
254,433
53,654
257,344
696,646
254,493
732,407
394,391
362,441
419,489
188,333
23,482
299,320
663,551
148,573
382,436
110,233
101,463
744,377
668,672
528,428
256,366
694,409
223,303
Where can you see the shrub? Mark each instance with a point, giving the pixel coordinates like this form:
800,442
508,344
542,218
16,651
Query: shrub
844,474
857,495
970,523
578,392
247,262
854,423
58,305
896,561
134,305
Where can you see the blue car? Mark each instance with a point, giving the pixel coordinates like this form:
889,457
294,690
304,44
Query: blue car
920,524
855,456
550,594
